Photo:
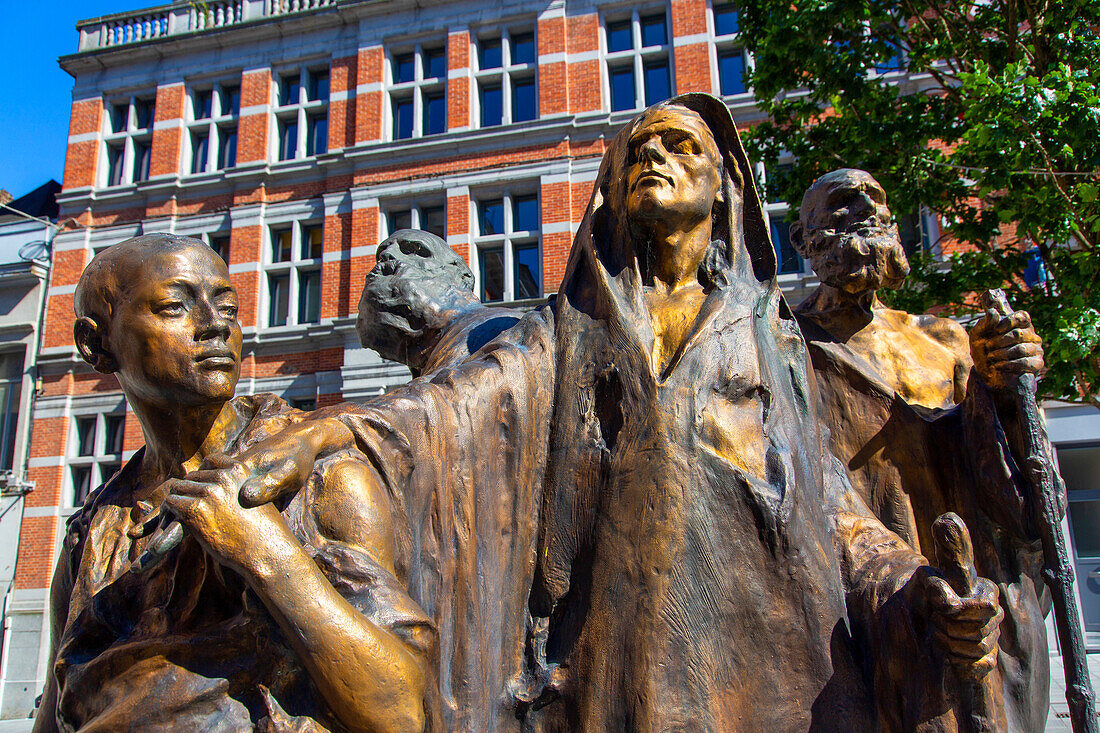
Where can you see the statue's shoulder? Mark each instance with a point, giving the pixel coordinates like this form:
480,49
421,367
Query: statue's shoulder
946,331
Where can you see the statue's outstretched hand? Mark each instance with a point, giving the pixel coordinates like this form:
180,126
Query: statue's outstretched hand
1005,345
281,464
961,610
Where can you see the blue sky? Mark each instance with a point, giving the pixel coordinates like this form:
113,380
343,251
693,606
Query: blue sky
37,94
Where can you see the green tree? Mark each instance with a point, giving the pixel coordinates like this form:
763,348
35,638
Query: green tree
994,125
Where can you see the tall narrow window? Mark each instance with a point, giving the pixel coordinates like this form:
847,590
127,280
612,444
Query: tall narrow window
200,151
732,59
429,217
213,126
294,274
418,92
96,452
303,108
128,141
505,78
509,266
11,387
639,72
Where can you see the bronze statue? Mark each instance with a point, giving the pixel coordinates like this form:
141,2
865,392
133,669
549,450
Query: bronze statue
287,616
918,410
623,513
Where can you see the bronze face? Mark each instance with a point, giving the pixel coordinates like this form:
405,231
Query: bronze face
174,333
673,168
848,233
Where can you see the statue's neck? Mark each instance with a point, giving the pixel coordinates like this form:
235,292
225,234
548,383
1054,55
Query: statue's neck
841,313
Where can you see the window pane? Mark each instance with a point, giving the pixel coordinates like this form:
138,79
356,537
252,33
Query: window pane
492,105
622,88
113,425
204,104
280,245
108,470
731,72
523,48
525,213
654,32
433,219
200,148
492,217
313,243
309,296
231,101
114,165
725,20
288,90
317,135
489,54
288,139
526,278
220,245
789,261
227,153
491,265
658,85
278,288
404,68
143,113
435,113
524,101
398,220
119,113
85,436
435,64
82,484
618,36
141,160
318,85
1084,523
402,119
305,404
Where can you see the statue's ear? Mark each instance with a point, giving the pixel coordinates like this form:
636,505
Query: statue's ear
796,237
89,342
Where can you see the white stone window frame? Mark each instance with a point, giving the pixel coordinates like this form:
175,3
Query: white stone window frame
416,89
636,55
723,43
293,268
509,239
127,139
301,110
100,462
216,126
416,210
506,75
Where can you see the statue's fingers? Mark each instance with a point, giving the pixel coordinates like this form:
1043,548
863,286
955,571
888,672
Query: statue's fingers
985,324
217,461
281,479
165,540
968,648
942,599
1013,337
1026,365
186,487
1014,352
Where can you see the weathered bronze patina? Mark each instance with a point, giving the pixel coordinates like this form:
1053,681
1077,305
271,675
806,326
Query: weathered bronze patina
276,618
918,410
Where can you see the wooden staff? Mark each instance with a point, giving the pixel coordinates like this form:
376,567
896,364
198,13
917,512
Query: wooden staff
1057,569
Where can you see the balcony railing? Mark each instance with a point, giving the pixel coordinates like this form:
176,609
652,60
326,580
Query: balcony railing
181,17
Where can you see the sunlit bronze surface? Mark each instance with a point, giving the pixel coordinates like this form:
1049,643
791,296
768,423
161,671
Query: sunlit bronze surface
277,618
622,513
916,421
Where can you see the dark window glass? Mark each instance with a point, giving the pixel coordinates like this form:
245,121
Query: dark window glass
278,288
82,484
398,220
220,245
618,36
492,105
525,213
227,153
11,377
658,85
85,436
119,113
142,156
725,20
309,296
200,149
404,68
402,119
304,403
231,101
114,165
114,427
435,64
143,113
204,104
288,139
489,54
108,470
435,113
731,72
654,31
525,261
492,217
281,250
313,242
523,48
288,90
433,219
318,85
524,101
491,266
622,88
789,261
317,134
